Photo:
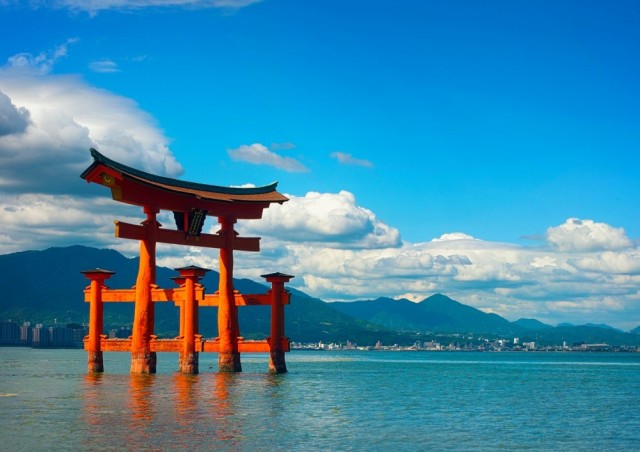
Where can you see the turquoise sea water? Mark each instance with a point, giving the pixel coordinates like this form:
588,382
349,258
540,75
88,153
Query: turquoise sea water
328,401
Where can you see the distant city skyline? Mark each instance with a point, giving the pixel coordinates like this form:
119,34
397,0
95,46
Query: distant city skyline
484,151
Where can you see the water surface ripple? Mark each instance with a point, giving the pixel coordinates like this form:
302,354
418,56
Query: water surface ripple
347,401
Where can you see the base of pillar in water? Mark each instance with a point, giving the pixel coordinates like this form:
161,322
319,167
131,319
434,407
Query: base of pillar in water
143,363
277,364
95,362
229,362
189,363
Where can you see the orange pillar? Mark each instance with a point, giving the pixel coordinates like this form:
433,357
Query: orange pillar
228,330
96,317
188,353
180,282
277,364
143,360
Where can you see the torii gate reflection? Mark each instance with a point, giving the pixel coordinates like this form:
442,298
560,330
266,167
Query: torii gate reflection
190,203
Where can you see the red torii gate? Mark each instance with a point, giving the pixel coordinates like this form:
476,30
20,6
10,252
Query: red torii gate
190,203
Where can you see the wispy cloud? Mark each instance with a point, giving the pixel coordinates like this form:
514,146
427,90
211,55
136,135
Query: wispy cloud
258,154
348,159
42,62
104,66
139,58
95,6
282,146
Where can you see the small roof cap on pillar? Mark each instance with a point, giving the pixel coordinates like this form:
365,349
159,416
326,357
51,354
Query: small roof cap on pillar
98,273
98,270
192,267
193,270
277,277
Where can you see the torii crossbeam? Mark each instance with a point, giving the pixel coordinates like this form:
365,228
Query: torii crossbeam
190,203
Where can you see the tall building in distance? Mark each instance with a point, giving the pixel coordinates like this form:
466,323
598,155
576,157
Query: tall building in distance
26,334
42,336
9,333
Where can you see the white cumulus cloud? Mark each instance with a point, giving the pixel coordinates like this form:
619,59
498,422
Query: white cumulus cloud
512,280
13,120
49,122
39,221
577,235
610,262
47,125
330,219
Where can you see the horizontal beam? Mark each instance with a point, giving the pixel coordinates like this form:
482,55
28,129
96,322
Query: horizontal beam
137,232
246,346
240,299
166,345
176,345
113,345
244,300
177,295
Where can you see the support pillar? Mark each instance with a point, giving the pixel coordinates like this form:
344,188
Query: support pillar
277,364
179,280
228,329
96,317
143,360
189,319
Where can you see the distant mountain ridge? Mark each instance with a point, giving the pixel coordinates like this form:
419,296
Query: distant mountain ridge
437,313
46,285
532,324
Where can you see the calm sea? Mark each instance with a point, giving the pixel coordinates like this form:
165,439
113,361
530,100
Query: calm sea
328,401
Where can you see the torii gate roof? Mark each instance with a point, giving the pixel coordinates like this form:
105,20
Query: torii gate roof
133,186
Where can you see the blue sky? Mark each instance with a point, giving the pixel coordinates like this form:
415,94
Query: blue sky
486,150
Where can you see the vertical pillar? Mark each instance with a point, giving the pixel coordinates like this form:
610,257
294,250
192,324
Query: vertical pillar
180,282
188,353
143,360
180,304
228,329
96,317
277,364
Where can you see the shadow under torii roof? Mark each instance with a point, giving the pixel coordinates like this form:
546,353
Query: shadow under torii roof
133,186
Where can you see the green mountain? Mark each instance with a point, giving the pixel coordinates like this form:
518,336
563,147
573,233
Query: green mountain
437,313
585,334
532,324
601,325
43,285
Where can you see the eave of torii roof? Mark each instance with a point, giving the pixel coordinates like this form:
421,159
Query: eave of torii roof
137,187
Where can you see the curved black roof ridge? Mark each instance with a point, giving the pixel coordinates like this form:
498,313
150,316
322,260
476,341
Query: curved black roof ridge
99,158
